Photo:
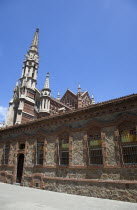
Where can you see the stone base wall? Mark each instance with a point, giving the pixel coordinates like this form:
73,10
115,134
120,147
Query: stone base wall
85,173
108,189
125,191
109,183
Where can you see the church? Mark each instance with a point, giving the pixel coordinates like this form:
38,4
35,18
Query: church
29,103
69,144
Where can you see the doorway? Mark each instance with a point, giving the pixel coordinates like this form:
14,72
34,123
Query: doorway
20,167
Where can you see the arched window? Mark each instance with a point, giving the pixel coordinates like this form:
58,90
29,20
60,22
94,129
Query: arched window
129,146
95,148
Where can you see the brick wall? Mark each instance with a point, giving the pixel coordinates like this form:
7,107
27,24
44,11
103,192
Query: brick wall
29,108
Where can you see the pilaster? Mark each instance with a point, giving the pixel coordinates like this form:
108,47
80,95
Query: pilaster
77,149
109,147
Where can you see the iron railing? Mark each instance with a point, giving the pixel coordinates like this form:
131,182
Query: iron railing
95,150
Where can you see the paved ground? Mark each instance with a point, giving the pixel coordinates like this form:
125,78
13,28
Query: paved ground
14,197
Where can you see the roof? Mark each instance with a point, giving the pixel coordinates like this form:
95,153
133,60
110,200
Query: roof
111,102
70,92
59,102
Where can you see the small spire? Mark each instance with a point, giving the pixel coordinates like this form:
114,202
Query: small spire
16,86
47,81
17,83
93,100
58,96
34,45
79,88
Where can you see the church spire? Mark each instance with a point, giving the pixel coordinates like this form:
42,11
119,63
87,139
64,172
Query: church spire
30,67
34,45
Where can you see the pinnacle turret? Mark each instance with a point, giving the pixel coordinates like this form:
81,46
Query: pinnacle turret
46,90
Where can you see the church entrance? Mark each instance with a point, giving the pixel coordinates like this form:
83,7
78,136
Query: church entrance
20,167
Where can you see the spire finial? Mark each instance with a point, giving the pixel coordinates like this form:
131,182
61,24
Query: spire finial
47,81
34,45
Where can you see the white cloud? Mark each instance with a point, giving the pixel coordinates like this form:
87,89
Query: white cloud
3,111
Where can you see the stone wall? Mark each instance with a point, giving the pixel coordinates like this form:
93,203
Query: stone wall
109,146
124,191
50,151
30,153
77,148
12,154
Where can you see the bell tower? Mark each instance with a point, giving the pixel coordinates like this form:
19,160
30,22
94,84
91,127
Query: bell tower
23,109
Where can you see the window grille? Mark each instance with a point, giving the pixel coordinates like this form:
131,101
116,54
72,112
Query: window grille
95,150
129,146
39,153
6,154
64,151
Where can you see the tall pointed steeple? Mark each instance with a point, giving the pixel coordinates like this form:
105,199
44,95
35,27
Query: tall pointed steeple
29,71
22,105
28,82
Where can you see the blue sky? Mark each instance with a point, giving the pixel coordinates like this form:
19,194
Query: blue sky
90,42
